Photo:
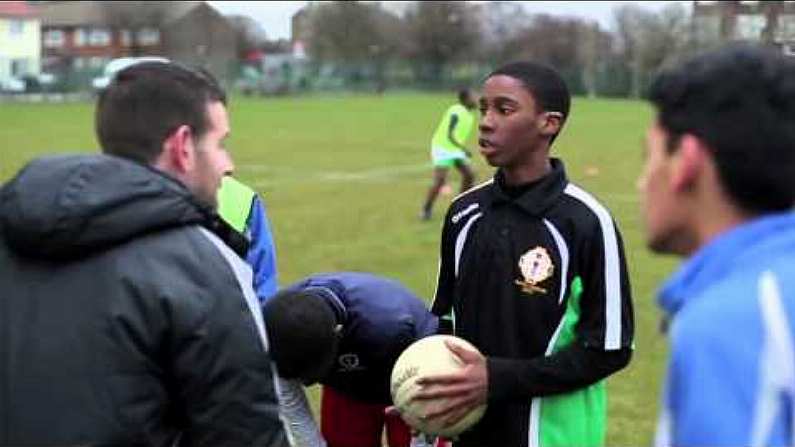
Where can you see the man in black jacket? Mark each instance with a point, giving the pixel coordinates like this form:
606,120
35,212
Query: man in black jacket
125,318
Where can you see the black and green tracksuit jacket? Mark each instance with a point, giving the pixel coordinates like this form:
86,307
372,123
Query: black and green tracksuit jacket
535,277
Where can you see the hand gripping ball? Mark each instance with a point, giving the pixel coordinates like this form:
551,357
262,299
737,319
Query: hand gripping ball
428,356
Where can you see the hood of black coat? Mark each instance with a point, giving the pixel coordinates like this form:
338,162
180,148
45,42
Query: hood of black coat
67,206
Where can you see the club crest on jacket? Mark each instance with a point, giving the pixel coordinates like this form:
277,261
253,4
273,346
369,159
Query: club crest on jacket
536,267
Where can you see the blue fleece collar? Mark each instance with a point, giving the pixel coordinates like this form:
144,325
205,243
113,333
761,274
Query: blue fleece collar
720,257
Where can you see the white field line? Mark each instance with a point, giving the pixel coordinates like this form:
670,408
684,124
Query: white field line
280,175
297,175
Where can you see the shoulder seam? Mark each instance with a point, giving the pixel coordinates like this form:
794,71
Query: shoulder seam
612,269
473,189
242,273
586,198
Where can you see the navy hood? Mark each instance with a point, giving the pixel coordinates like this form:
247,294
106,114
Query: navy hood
66,206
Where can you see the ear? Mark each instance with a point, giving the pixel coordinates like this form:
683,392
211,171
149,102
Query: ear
179,151
550,123
691,158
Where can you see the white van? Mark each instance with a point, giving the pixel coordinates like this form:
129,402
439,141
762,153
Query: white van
117,65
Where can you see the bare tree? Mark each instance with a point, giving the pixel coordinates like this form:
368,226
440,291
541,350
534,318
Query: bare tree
552,40
388,47
250,34
571,45
594,51
646,40
439,33
501,24
356,33
630,21
344,31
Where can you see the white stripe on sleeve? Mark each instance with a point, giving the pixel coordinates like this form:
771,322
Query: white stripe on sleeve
776,363
612,270
245,277
563,250
462,238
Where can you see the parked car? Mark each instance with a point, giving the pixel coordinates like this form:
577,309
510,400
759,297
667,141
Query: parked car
250,81
117,65
12,85
42,82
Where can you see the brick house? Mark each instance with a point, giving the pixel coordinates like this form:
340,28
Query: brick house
82,36
771,22
20,53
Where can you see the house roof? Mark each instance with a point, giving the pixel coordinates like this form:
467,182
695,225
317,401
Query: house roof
16,9
80,13
72,14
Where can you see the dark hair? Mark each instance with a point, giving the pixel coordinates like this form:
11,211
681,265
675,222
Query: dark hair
544,83
740,101
148,101
463,95
303,334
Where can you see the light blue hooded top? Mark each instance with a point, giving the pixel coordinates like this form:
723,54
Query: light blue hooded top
731,373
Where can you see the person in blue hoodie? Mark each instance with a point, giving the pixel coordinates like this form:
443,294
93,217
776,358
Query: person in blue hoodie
242,208
344,330
718,188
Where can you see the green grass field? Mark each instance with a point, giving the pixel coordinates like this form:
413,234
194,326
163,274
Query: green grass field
344,177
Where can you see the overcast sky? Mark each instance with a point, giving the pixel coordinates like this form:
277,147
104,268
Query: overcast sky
275,15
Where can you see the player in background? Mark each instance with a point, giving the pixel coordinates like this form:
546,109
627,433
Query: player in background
533,274
448,148
244,210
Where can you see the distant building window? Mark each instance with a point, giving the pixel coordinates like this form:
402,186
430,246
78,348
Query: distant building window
148,36
750,27
80,38
19,67
99,37
126,37
96,62
53,38
16,28
786,27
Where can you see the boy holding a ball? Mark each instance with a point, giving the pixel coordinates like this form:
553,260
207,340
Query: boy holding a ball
533,274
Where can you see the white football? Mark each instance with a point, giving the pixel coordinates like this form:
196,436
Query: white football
428,356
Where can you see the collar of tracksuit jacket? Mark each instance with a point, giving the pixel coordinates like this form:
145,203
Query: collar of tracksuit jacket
722,256
534,198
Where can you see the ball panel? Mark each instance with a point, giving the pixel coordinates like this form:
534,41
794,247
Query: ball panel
428,356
